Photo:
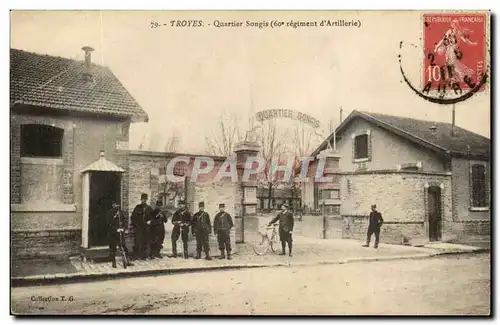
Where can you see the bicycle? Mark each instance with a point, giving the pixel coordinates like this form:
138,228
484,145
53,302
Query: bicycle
123,254
266,243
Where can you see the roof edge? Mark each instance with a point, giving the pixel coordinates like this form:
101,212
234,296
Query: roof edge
391,128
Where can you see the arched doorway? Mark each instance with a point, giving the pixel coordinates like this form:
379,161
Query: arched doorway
434,213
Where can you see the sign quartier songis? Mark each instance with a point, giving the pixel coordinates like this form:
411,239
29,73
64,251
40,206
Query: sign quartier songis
287,113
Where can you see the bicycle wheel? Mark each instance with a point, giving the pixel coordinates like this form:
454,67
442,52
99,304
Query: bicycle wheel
273,242
124,258
271,245
262,247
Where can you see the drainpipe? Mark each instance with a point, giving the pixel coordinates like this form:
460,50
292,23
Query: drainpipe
324,219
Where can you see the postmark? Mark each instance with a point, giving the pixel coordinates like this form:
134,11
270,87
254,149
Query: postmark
454,65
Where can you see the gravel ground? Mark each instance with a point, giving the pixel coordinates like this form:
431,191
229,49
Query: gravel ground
451,285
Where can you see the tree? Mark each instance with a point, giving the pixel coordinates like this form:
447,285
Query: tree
142,144
172,142
227,133
171,190
272,146
303,141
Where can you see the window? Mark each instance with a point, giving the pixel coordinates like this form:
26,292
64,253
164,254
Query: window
330,209
41,141
361,146
478,186
330,194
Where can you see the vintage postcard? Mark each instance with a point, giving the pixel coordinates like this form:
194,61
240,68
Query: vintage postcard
250,163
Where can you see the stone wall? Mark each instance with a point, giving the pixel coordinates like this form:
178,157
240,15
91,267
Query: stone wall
53,244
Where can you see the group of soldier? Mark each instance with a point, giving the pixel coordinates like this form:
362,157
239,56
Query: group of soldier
149,229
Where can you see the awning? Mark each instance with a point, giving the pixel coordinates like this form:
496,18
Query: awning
102,165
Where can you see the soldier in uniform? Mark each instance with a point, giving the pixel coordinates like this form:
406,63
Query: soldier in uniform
285,218
157,230
201,230
117,222
374,225
181,220
140,216
222,227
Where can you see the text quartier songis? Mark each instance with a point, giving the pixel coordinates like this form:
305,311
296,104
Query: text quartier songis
287,23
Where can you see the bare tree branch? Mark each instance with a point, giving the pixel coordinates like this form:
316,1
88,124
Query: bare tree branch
172,142
222,140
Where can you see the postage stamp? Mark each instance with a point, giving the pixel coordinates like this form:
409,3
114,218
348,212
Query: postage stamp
454,45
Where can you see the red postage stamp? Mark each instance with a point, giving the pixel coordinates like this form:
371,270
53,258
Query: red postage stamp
454,46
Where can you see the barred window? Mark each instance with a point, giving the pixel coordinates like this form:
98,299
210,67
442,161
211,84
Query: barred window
330,209
330,194
478,186
361,146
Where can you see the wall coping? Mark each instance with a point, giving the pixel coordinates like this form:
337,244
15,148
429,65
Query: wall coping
392,171
162,154
30,207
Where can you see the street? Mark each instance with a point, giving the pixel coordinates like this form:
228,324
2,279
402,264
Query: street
448,285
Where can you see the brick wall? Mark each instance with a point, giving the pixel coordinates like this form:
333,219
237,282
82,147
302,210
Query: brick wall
401,198
41,184
45,244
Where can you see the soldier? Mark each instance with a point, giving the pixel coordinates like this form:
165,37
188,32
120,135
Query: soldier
140,216
117,222
375,222
157,230
222,227
201,230
285,218
181,220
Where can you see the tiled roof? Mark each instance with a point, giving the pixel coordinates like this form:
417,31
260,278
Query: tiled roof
434,135
59,83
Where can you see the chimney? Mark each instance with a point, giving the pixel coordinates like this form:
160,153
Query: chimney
88,62
341,114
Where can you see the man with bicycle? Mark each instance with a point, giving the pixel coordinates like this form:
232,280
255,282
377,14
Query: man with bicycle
285,218
117,223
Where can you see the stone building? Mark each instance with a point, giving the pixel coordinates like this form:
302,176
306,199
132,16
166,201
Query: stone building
63,113
430,180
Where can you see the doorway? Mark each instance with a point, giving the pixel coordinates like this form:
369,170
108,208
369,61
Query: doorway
434,208
104,190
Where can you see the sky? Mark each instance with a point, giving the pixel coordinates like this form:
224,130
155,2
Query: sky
184,78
